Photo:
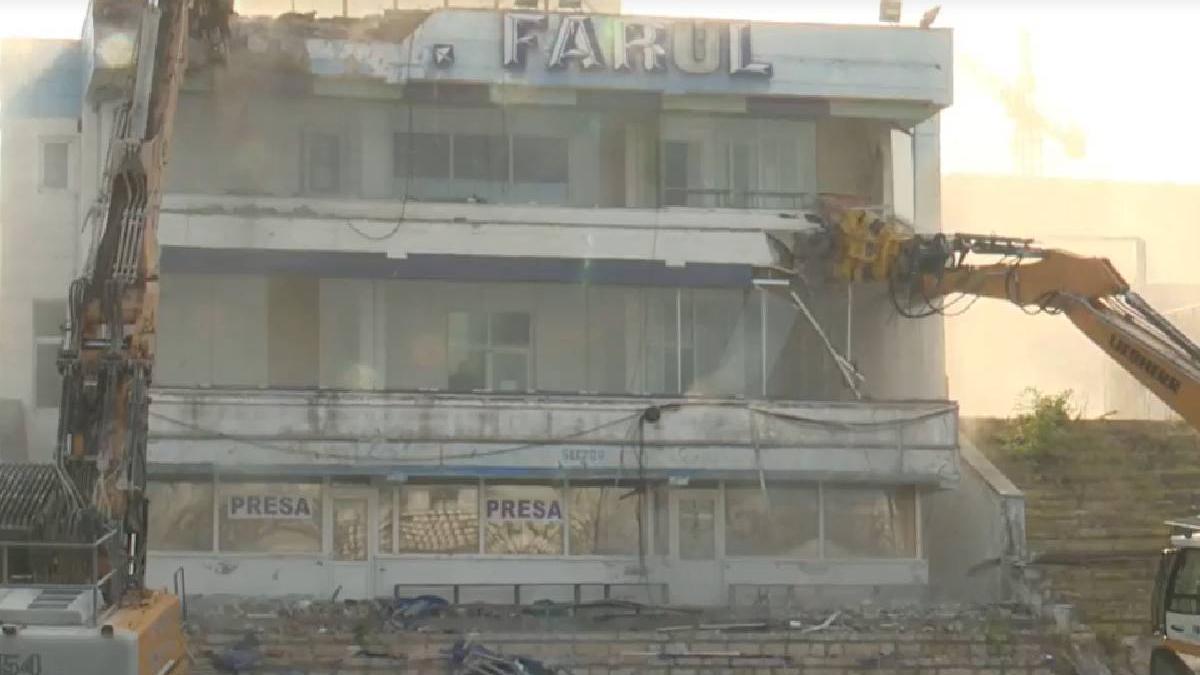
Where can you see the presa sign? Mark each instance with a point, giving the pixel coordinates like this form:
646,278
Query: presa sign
269,507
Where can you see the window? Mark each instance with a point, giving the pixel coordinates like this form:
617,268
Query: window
428,155
489,351
697,525
48,317
538,159
439,518
481,158
675,173
488,167
1185,585
604,520
274,517
870,522
662,521
323,163
783,523
56,165
523,519
182,515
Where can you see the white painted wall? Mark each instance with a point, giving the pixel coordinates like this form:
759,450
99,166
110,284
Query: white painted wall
38,249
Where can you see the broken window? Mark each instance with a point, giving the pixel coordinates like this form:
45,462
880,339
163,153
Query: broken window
489,351
182,517
604,520
323,163
782,523
48,316
870,522
56,166
435,518
270,517
523,519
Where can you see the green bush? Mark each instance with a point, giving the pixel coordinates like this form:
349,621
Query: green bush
1041,423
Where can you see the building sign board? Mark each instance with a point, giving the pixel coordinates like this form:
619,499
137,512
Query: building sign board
671,56
524,509
269,507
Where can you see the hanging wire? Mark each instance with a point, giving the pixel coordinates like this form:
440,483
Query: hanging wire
408,154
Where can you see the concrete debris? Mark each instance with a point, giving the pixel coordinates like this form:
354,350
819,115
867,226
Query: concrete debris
469,658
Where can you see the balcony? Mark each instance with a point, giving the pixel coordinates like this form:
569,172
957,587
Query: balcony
672,236
279,432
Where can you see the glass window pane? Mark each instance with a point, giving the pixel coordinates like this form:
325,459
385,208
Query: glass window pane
48,381
604,520
468,329
784,524
538,159
468,371
697,526
1185,592
384,520
429,155
439,519
510,329
662,523
510,371
270,517
523,519
48,317
293,347
324,163
675,173
350,528
55,165
479,157
181,515
870,522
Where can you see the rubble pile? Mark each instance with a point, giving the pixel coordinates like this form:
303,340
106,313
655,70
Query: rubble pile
428,634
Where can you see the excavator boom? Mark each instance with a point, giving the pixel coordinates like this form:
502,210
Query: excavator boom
922,270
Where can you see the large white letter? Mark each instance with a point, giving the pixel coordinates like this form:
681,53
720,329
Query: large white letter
518,35
741,57
696,48
576,39
650,41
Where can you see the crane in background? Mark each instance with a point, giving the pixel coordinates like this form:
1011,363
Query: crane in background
1031,128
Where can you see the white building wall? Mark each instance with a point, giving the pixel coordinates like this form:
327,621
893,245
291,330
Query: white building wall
38,228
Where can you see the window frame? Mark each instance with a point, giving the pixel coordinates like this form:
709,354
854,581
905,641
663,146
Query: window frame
490,349
70,175
307,158
47,340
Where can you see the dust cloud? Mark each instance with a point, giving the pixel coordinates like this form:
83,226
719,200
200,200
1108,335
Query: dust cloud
995,351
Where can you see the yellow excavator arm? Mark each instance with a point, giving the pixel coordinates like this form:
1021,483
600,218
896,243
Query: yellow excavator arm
922,270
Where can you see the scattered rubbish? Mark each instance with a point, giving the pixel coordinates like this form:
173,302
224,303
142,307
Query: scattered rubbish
406,611
819,627
240,657
469,658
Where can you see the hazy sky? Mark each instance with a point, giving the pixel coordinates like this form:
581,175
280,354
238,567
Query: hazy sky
1117,70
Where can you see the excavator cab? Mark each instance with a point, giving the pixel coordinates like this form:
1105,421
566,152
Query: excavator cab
1175,603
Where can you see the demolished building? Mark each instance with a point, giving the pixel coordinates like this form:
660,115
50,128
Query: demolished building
464,301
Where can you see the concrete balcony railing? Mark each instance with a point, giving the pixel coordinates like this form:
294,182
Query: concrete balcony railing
674,236
426,434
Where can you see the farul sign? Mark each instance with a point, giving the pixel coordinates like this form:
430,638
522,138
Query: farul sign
624,45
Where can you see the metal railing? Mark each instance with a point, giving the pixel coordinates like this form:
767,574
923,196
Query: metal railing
95,582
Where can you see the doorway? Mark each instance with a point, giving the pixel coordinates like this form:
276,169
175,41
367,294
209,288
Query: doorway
354,541
696,547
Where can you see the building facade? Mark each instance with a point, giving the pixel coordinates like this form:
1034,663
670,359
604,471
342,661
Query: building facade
464,301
